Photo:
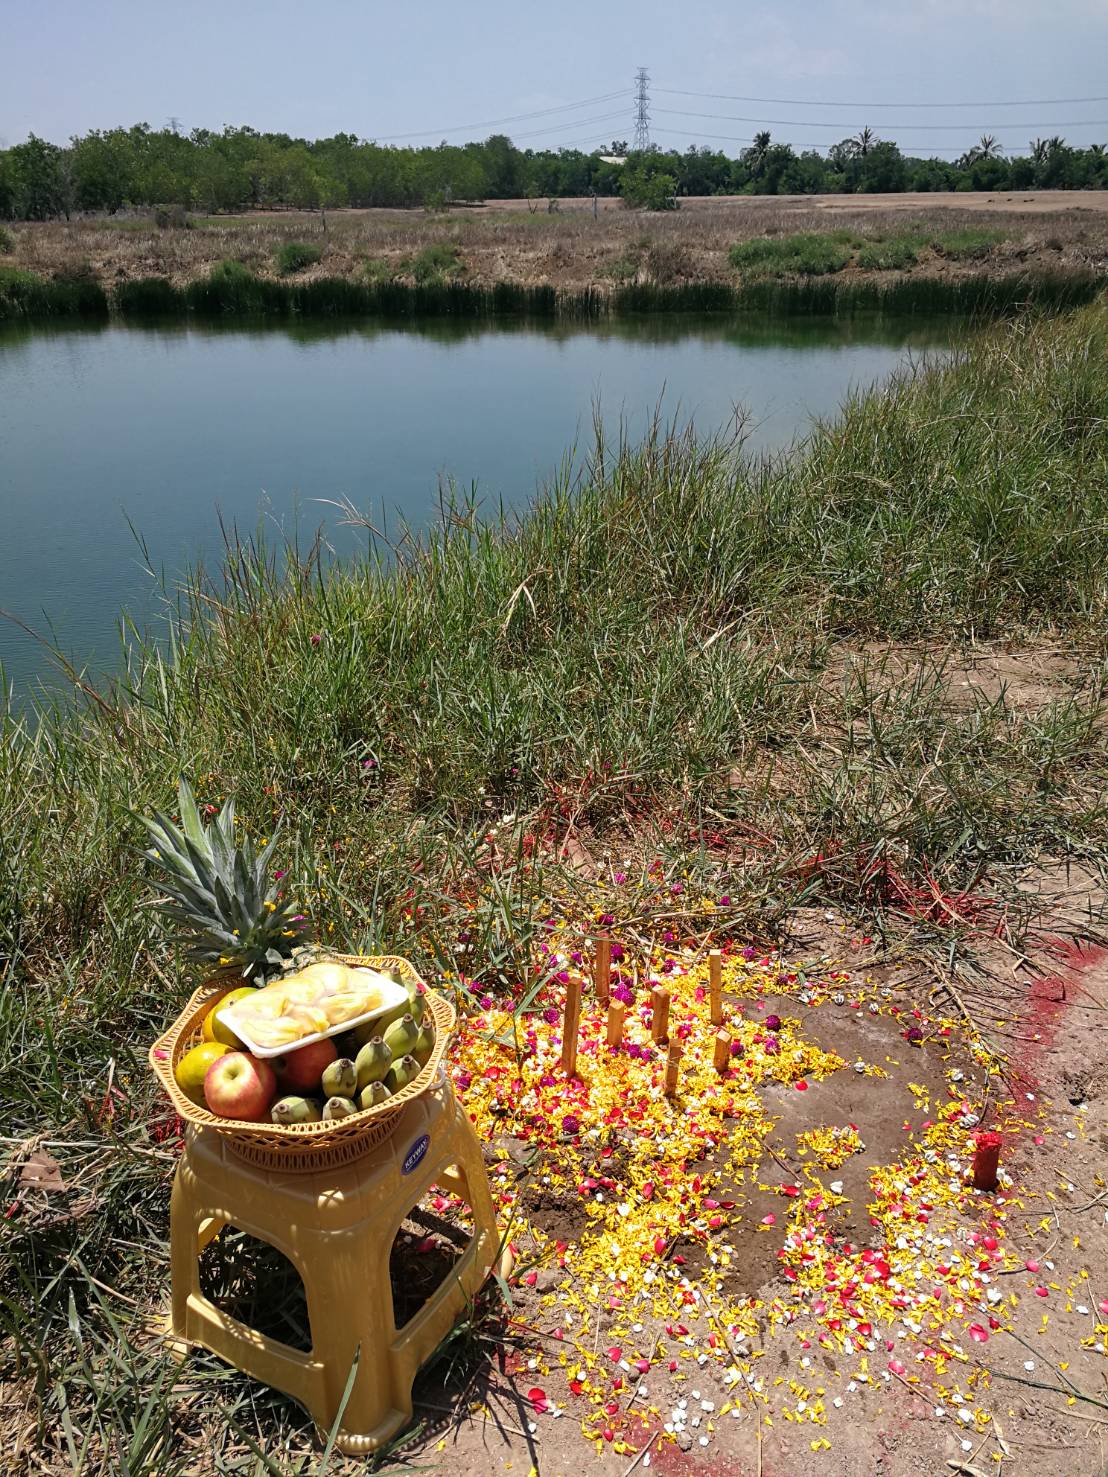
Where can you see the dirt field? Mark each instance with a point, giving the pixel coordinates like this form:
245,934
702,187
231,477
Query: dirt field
514,241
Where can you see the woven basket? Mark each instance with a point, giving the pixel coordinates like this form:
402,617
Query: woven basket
298,1147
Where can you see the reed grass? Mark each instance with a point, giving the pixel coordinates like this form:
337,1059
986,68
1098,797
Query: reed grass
678,644
232,290
24,294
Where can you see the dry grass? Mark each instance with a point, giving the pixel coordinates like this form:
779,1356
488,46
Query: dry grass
570,248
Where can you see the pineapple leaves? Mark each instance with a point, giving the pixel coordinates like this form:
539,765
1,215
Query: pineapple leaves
218,890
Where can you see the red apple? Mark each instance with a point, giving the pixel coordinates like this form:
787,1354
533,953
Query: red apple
300,1071
241,1086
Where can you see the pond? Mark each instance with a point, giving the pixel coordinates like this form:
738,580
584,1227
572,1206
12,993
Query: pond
115,441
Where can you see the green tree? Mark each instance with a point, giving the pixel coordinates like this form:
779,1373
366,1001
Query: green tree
646,188
42,181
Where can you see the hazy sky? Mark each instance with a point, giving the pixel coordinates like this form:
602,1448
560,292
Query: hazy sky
431,69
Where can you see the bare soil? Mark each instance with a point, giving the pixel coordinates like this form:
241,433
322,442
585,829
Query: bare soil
572,247
1044,1386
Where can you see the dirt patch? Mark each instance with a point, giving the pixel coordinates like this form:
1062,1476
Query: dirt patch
874,1420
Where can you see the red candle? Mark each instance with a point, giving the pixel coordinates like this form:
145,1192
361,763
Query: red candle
986,1158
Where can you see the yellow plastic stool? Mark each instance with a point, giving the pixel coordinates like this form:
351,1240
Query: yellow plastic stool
337,1228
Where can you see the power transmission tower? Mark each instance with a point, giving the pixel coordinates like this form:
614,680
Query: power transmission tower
642,110
174,123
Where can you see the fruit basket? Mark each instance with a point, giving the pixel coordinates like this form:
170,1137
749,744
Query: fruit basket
299,1147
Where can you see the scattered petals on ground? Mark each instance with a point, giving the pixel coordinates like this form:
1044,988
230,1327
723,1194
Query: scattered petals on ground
629,1212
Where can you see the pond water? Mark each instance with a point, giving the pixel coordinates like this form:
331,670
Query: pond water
110,435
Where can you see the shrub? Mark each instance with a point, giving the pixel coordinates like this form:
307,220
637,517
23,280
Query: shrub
643,190
171,218
623,269
888,256
435,263
7,241
377,269
294,256
808,255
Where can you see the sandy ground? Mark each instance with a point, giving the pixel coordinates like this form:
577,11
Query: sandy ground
1030,202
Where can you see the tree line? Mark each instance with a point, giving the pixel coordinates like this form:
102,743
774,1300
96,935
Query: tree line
107,170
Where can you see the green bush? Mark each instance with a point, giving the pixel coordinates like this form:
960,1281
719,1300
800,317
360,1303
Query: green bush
643,189
623,269
7,241
435,263
294,256
894,255
809,254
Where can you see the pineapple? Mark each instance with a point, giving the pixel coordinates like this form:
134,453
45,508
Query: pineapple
219,893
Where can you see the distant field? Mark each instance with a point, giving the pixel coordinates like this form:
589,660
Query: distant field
571,249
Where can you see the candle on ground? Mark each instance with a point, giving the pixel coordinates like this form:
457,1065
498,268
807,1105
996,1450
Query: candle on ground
659,1024
571,1024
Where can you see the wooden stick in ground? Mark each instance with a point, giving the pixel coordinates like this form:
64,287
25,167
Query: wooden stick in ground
602,968
615,1023
659,1023
715,986
721,1052
571,1023
673,1067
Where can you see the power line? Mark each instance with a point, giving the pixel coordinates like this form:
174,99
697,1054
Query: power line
572,124
642,110
604,97
928,127
805,102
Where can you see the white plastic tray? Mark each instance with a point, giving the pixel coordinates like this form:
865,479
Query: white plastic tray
392,996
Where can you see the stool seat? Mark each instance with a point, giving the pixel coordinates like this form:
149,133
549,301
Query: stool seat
337,1228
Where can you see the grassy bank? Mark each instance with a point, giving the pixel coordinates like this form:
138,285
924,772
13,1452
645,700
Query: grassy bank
766,678
230,290
513,258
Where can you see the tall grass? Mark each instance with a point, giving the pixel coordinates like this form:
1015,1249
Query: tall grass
24,294
232,290
767,650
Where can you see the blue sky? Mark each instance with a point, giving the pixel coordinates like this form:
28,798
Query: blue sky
430,68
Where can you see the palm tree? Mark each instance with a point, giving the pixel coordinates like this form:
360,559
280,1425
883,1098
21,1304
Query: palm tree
760,150
862,142
987,147
1039,150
